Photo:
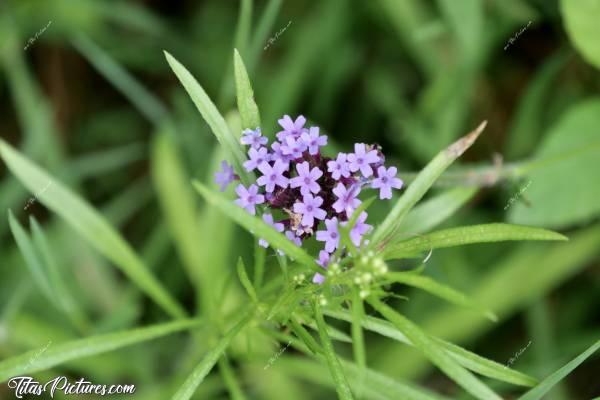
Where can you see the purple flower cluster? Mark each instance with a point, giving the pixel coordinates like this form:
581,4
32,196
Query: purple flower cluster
308,187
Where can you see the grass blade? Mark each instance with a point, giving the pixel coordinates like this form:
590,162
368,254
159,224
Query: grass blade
90,224
56,354
241,270
435,353
467,359
440,290
186,391
31,256
140,97
212,117
256,226
483,233
544,387
335,368
245,95
417,189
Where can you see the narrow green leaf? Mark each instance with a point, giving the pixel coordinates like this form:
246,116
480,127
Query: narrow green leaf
358,340
56,354
241,270
467,359
148,104
212,117
483,233
245,95
90,224
32,258
417,189
235,391
440,290
256,226
304,335
59,288
436,210
260,254
544,387
335,368
186,391
435,353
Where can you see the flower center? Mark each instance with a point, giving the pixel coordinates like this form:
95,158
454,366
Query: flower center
384,179
309,208
359,160
307,181
333,235
273,177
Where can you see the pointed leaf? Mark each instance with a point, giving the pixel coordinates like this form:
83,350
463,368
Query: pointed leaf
467,359
245,95
435,353
56,354
186,391
544,387
90,224
335,368
483,233
424,180
212,117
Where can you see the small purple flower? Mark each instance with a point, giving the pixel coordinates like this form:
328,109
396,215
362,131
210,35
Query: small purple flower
339,167
268,218
309,208
360,159
257,157
293,147
273,175
293,237
290,127
359,229
323,261
347,200
385,181
278,153
249,198
313,141
306,179
224,177
253,138
331,236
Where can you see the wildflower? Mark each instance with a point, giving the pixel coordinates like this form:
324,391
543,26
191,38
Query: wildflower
359,229
331,236
385,181
313,141
309,208
323,261
339,167
347,201
361,160
306,179
268,218
226,176
293,128
257,157
293,237
249,198
253,138
273,175
293,147
278,153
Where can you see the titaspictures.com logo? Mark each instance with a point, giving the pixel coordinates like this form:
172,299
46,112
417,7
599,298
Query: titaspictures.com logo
26,385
